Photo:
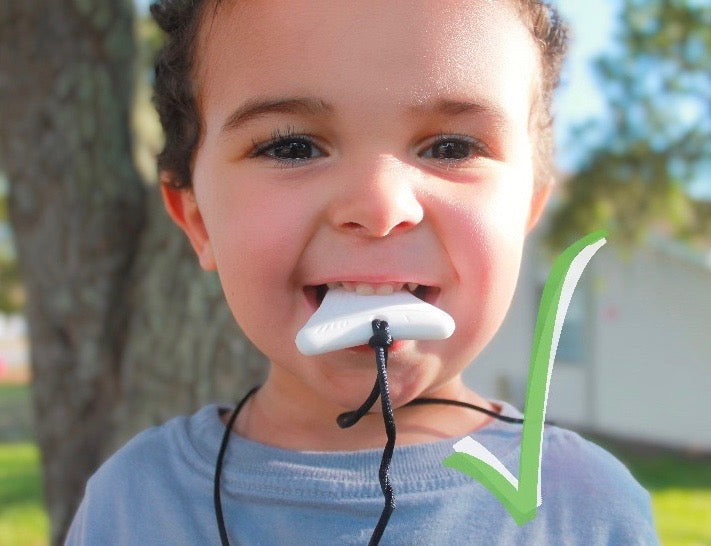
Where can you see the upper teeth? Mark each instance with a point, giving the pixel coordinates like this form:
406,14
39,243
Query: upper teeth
366,289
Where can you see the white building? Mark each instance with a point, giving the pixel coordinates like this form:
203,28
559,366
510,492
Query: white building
634,358
14,351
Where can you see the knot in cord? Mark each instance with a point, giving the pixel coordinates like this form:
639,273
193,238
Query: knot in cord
381,337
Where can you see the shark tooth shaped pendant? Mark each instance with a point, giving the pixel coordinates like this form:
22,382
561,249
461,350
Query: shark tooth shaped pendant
344,320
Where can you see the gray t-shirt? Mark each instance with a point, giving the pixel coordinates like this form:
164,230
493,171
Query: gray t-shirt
158,489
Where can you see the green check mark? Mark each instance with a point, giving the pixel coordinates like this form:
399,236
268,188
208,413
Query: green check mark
522,496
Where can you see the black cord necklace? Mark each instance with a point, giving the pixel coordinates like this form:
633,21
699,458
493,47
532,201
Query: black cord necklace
380,342
218,466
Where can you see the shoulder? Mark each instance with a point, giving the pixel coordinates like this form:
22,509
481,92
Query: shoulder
155,449
568,454
597,489
183,444
570,461
151,468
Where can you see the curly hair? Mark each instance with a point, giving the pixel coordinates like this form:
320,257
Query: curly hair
175,93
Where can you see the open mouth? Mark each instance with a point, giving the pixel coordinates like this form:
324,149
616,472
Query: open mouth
315,294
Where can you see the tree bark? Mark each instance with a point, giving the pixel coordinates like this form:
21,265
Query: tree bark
125,330
184,348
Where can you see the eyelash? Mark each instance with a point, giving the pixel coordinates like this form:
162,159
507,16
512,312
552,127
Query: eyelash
279,138
474,148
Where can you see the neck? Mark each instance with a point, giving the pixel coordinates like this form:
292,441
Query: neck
277,416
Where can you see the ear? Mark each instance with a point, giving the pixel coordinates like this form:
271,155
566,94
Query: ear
183,209
538,205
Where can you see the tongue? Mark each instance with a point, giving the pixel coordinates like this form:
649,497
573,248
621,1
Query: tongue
344,320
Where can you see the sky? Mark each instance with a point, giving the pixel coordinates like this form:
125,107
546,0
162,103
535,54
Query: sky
579,98
592,25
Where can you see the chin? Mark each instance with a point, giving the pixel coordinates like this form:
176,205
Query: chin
350,387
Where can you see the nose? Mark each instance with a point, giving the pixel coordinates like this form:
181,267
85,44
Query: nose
377,200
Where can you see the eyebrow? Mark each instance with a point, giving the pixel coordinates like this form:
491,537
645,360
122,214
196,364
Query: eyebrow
261,107
451,108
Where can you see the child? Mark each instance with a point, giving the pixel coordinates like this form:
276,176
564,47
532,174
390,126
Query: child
374,147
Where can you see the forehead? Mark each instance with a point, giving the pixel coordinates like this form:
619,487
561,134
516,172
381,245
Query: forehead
376,55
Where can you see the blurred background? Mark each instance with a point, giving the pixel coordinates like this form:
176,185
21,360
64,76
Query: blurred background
107,326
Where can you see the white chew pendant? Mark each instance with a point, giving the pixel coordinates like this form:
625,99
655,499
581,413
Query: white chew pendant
344,320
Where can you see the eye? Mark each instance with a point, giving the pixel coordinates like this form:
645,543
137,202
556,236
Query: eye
288,149
453,148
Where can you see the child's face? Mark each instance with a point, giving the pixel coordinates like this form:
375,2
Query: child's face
363,142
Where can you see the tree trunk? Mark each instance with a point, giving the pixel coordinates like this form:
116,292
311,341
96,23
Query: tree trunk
125,330
184,348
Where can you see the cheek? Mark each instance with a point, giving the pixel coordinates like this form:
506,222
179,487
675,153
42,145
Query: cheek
486,254
487,258
486,233
256,229
256,238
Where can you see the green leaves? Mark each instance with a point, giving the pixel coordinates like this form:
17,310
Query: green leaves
656,142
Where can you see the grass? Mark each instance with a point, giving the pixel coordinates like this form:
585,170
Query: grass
681,497
23,520
15,412
680,484
683,516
